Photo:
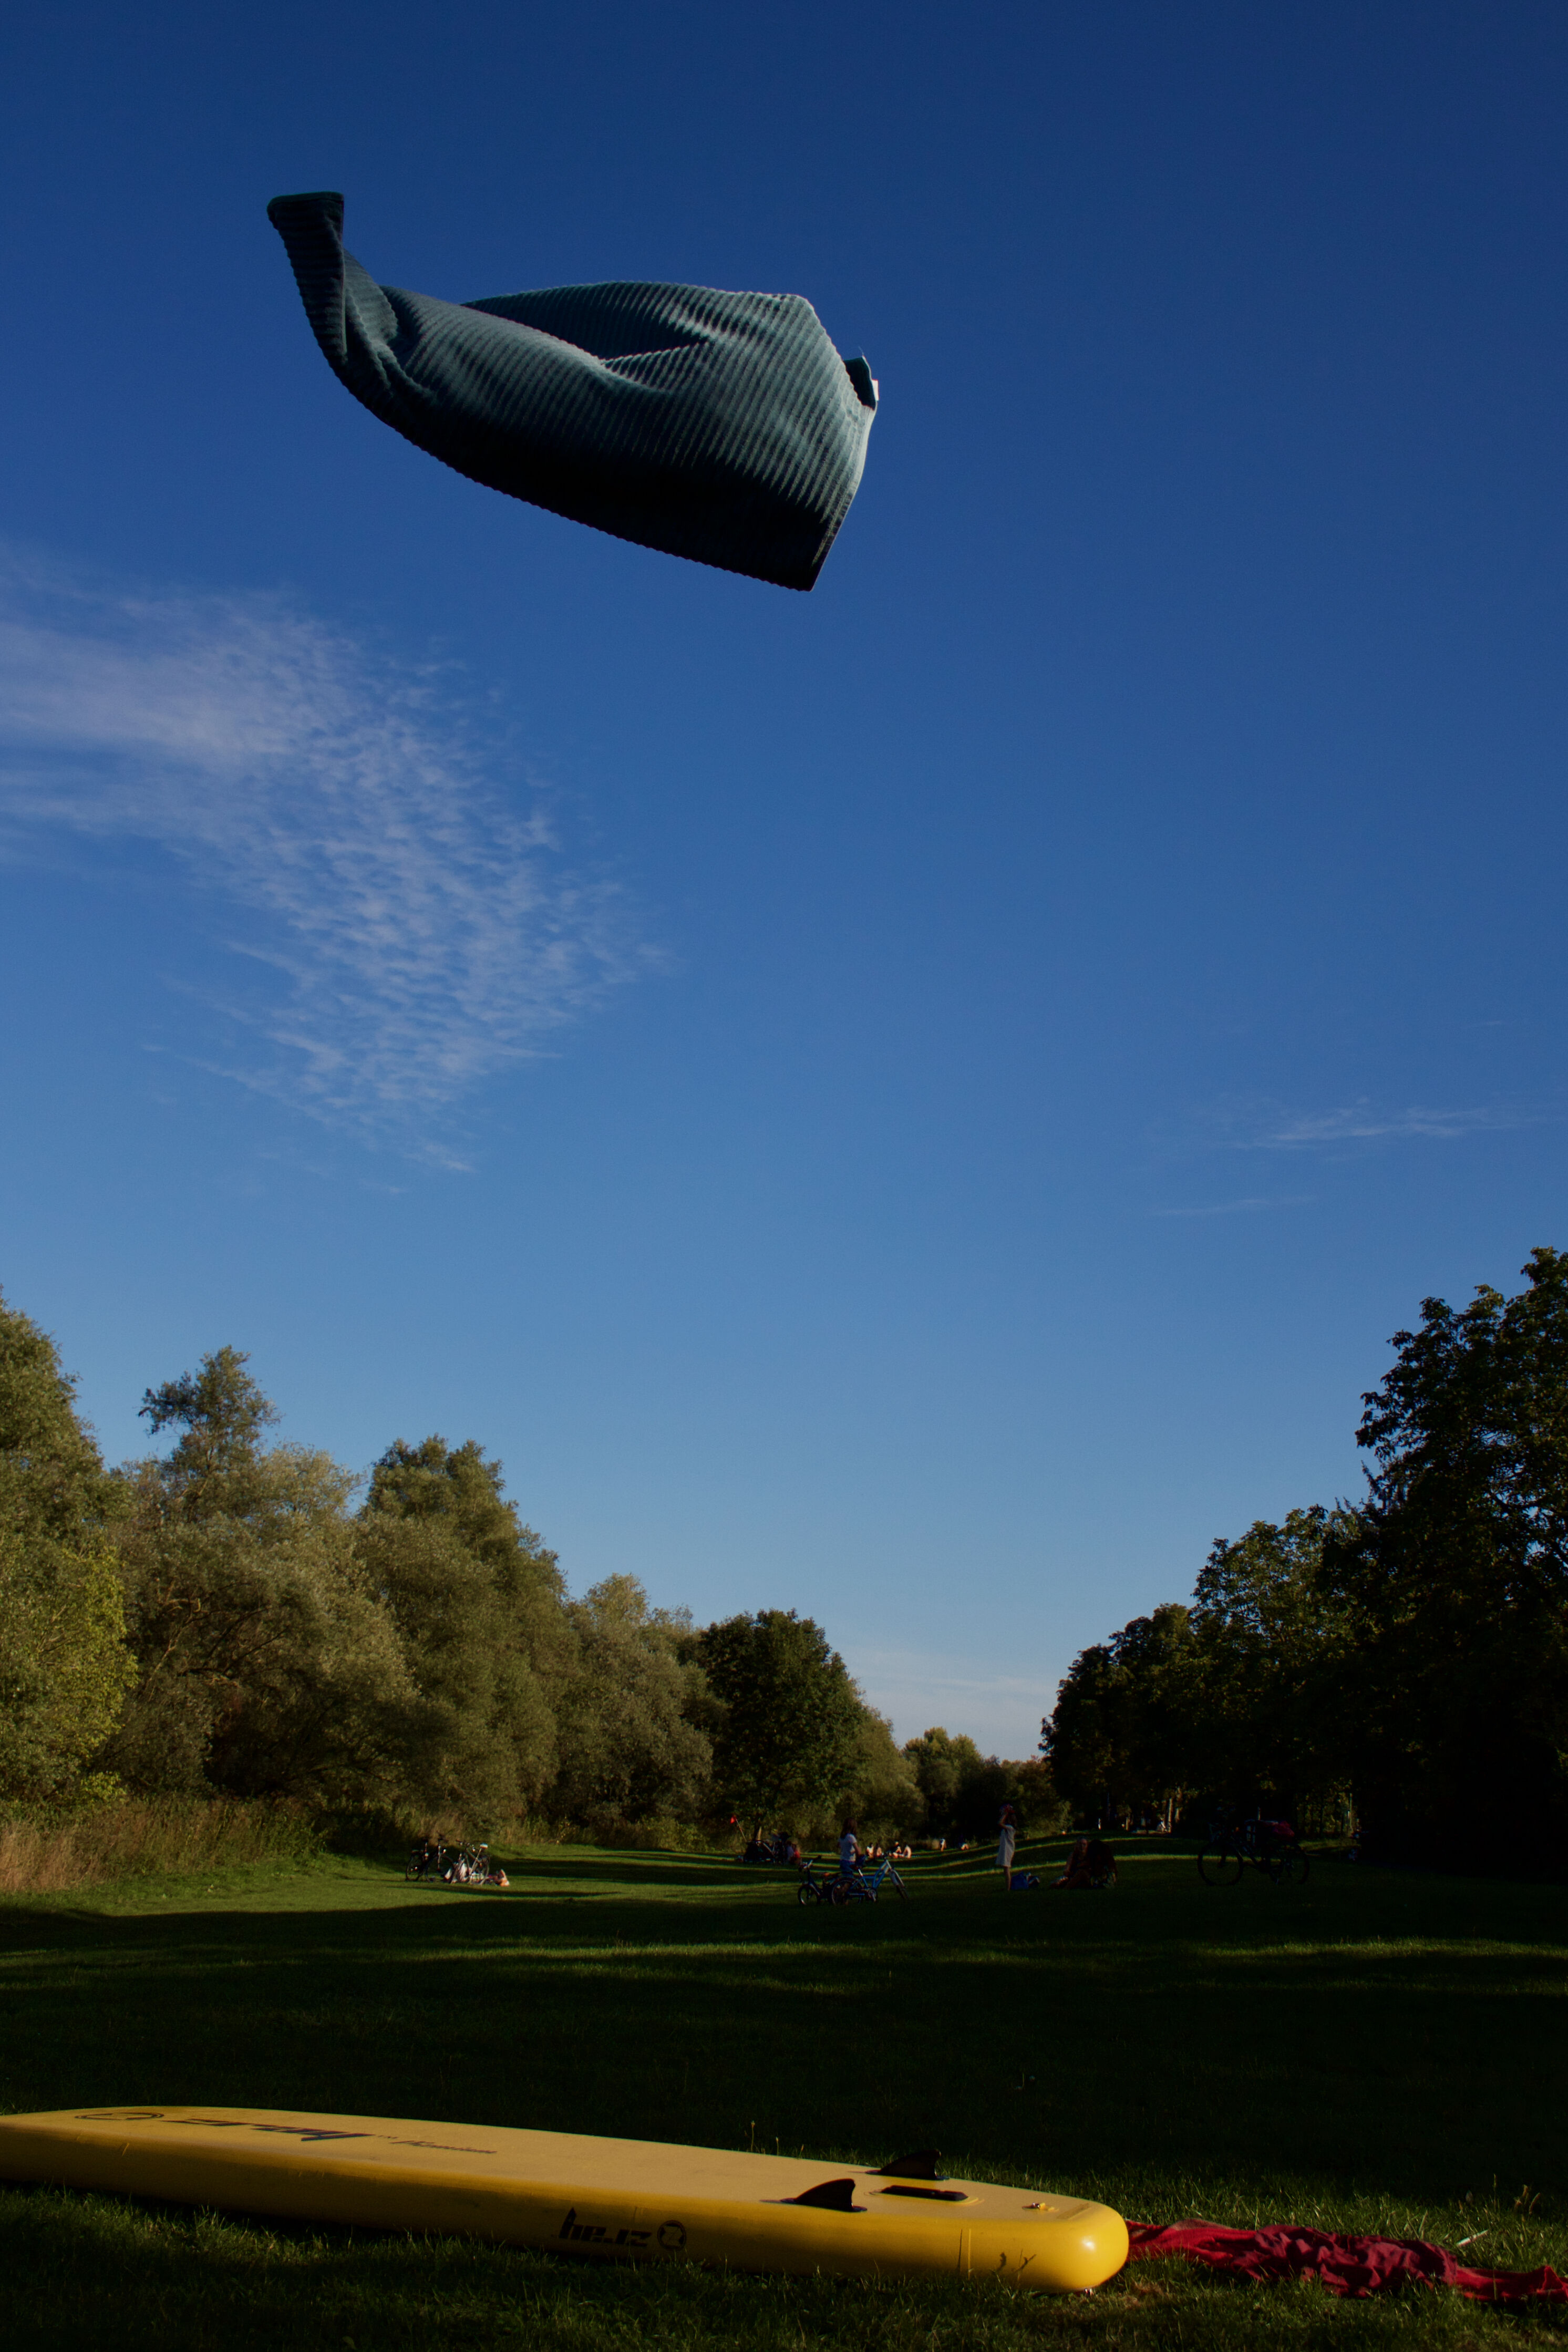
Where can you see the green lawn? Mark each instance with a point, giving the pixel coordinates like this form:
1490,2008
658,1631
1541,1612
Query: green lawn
1375,2052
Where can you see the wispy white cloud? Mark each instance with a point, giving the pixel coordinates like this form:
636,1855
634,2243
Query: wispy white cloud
1255,1123
1239,1208
414,924
1361,1121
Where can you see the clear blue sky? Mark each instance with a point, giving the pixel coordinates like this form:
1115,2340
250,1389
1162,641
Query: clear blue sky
922,1103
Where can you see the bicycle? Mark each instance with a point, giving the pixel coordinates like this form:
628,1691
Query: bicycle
886,1871
469,1865
811,1889
1269,1846
452,1865
849,1888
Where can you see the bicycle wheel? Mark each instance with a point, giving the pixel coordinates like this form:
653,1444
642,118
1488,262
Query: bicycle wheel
1219,1865
805,1894
1289,1867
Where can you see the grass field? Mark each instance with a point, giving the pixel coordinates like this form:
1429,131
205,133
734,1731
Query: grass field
1375,2052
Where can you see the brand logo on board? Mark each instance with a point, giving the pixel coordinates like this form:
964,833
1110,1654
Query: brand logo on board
670,2235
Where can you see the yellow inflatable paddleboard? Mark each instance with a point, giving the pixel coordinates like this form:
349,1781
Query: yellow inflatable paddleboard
576,2195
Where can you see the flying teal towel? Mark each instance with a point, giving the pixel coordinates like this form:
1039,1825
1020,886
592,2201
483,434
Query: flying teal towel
724,427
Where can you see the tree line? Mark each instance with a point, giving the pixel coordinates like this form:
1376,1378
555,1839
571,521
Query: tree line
243,1617
1401,1661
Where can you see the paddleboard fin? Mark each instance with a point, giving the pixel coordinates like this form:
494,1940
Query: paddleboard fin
836,2196
922,2164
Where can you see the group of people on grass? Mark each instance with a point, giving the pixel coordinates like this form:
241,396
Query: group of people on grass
854,1856
1091,1863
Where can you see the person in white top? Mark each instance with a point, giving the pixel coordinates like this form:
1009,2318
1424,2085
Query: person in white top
849,1851
1004,1844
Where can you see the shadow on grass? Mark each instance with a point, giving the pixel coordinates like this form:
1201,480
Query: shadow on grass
1356,2039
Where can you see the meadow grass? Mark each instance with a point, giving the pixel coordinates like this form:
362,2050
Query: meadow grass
146,1837
1375,2052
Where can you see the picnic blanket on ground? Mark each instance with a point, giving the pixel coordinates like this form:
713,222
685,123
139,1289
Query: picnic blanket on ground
1349,2266
720,426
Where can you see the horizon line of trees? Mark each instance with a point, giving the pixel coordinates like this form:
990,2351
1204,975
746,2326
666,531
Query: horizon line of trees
1400,1663
236,1618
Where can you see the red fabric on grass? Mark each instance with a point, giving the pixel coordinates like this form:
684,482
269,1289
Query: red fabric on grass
1354,2266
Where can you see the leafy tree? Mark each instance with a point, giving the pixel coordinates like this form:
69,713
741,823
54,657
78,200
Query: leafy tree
942,1761
1126,1731
52,1480
1273,1633
790,1725
269,1666
1455,1576
631,1749
64,1668
881,1791
963,1791
479,1608
1042,1810
64,1663
220,1413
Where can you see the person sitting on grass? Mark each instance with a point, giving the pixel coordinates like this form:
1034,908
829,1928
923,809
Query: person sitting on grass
1090,1864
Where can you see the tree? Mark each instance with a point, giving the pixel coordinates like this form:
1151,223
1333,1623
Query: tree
1273,1633
631,1750
64,1668
479,1607
64,1663
881,1791
962,1792
791,1723
1126,1732
52,1480
268,1665
1042,1810
1455,1579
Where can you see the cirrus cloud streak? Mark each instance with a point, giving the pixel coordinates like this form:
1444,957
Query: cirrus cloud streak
414,926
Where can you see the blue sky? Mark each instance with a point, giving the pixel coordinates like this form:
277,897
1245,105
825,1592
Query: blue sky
924,1102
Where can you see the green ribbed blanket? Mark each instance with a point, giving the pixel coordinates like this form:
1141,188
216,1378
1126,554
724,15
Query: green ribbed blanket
724,427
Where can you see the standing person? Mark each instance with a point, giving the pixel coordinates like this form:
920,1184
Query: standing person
1006,1842
849,1851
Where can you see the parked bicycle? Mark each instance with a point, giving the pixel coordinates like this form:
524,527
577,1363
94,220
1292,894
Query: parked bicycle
885,1874
454,1865
1234,1845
